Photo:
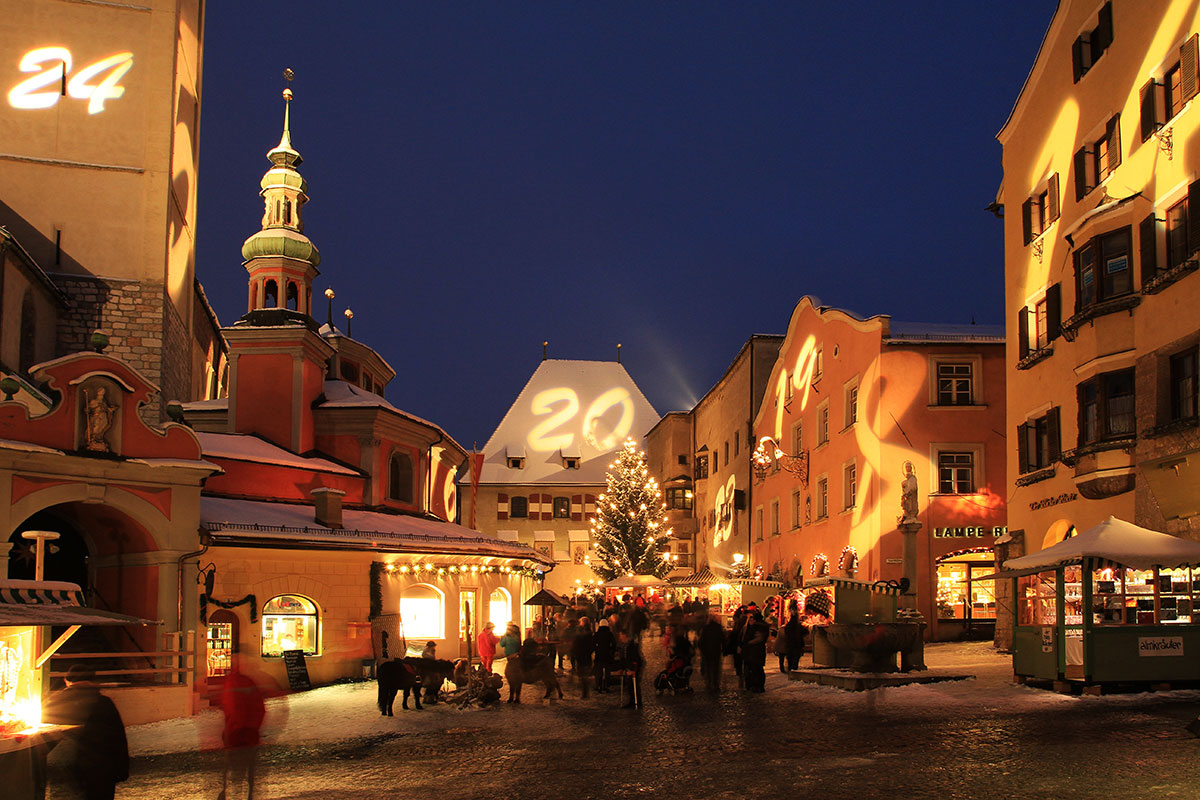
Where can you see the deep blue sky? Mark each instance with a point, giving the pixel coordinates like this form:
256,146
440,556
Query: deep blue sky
672,176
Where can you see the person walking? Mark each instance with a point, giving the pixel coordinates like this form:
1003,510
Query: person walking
735,640
712,648
583,643
99,753
794,634
632,664
244,707
486,641
754,653
779,647
604,646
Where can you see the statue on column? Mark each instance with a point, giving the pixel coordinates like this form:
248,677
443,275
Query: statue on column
100,415
908,495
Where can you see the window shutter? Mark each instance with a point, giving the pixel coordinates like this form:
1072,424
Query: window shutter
1022,448
1023,332
1189,66
1148,247
1113,134
501,506
1103,36
1052,199
1193,231
1081,182
1027,220
1077,59
1149,115
1054,434
576,508
589,506
1053,312
547,507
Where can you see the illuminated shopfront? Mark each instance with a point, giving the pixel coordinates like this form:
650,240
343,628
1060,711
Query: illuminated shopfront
500,608
289,622
958,596
422,613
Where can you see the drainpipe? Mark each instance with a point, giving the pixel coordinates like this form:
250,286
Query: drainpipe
182,559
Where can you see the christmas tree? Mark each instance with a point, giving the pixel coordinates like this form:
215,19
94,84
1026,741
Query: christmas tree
629,527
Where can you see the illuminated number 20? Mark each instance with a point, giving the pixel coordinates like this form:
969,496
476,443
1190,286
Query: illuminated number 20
543,439
52,64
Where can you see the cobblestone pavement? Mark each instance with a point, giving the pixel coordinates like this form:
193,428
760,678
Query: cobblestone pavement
983,739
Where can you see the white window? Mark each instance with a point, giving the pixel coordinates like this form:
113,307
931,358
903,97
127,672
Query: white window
850,391
422,612
289,622
954,384
774,517
823,424
956,472
822,497
850,485
797,509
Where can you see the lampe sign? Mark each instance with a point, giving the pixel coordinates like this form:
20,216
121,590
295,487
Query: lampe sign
55,77
969,533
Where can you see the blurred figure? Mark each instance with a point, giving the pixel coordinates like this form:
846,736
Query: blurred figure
583,643
242,702
632,664
604,645
754,652
712,648
794,634
486,641
735,640
430,650
97,750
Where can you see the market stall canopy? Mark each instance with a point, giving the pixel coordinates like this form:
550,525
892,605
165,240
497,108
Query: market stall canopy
636,582
703,577
53,603
1114,542
546,598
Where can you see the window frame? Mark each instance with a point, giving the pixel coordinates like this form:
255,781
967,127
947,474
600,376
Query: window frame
849,486
1183,368
951,466
822,497
512,506
272,616
1100,389
395,478
1100,251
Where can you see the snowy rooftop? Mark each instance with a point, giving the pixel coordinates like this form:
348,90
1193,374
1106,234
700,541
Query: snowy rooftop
246,447
568,409
943,332
226,518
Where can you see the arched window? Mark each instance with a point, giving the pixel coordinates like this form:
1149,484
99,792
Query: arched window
293,296
270,294
500,609
422,613
400,478
28,348
349,372
289,622
287,212
253,296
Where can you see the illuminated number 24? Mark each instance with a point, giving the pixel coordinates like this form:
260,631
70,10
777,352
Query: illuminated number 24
53,64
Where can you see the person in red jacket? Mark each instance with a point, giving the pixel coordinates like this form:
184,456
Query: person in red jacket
486,641
242,701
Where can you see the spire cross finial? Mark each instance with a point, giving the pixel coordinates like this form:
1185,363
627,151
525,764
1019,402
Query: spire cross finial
289,76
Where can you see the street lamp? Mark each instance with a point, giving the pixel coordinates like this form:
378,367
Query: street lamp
329,297
349,322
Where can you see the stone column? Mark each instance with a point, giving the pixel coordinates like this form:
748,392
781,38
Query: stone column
914,657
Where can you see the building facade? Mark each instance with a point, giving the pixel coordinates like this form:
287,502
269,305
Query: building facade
542,471
851,405
1100,157
669,454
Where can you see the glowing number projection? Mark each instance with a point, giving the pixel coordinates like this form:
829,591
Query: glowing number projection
450,495
595,414
543,402
53,64
562,404
806,364
724,511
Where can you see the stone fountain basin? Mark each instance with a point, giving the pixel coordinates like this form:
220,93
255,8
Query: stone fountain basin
873,645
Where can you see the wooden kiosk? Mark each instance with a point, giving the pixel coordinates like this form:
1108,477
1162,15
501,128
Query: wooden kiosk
1116,604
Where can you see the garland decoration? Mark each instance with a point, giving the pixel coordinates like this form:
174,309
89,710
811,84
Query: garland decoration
849,559
430,570
823,560
205,599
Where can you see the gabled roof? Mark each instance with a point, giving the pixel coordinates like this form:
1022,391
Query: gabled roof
584,407
248,447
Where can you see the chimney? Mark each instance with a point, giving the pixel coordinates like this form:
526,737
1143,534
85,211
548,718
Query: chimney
328,504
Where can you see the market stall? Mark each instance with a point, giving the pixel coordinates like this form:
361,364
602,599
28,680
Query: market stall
645,585
1116,603
28,609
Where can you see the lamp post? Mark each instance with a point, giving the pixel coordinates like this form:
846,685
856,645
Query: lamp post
41,537
349,322
329,297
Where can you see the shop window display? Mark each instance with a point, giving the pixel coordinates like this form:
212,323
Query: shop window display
958,597
422,613
1036,602
289,622
1143,597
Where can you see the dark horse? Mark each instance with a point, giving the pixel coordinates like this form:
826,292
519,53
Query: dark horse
410,674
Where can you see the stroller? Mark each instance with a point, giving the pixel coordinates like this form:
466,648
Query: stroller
676,678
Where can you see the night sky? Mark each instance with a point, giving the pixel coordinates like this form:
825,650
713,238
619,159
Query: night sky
672,176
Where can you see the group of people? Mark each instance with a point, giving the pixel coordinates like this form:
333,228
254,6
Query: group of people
602,641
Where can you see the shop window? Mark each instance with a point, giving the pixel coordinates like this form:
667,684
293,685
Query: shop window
1183,386
289,622
422,612
1038,442
679,498
1106,408
400,478
518,507
1090,45
956,472
562,508
1041,209
1036,599
500,609
222,642
1102,269
1130,597
959,597
1095,161
954,384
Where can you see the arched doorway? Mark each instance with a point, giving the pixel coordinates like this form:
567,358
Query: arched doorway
66,558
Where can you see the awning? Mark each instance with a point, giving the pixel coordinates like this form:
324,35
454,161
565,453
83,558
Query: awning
1114,542
54,603
756,582
878,587
636,582
546,598
703,577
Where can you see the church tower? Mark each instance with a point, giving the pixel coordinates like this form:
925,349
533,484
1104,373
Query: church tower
278,359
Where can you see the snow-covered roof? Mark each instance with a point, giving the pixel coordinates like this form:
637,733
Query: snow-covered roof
292,523
572,409
246,447
1115,541
215,404
944,332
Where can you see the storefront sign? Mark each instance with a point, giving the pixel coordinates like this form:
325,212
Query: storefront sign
964,533
1048,639
895,561
1050,502
297,670
1160,645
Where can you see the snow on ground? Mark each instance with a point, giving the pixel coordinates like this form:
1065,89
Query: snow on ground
348,711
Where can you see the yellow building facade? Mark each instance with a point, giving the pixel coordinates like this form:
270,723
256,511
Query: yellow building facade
1101,159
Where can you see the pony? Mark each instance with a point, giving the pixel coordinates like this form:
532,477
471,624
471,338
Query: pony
410,674
541,672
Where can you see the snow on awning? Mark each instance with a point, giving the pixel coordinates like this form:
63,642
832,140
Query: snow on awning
53,603
1113,541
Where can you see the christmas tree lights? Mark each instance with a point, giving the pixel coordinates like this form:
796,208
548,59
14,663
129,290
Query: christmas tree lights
629,529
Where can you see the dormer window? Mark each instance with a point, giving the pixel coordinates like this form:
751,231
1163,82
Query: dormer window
571,456
514,456
571,463
516,463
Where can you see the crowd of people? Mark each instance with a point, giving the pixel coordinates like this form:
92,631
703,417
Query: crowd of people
600,643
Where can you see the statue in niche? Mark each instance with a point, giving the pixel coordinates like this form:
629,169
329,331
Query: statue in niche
100,415
908,495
